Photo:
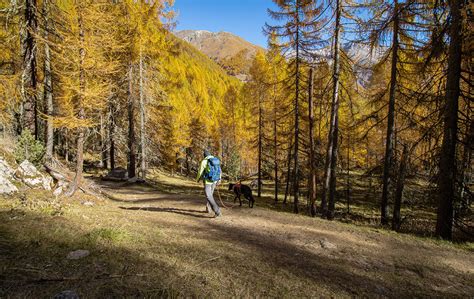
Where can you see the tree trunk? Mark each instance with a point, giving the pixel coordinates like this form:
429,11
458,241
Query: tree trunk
297,129
111,135
131,127
312,166
348,178
80,107
260,132
103,143
329,187
29,78
66,145
396,220
447,162
288,173
142,120
387,169
275,144
48,87
466,165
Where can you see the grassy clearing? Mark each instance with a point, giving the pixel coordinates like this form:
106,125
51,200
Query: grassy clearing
162,244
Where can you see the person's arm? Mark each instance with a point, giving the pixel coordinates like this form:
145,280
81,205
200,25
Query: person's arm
201,169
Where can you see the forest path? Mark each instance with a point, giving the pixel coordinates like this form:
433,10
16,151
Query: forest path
282,254
157,241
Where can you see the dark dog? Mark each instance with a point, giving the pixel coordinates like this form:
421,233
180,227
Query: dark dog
240,189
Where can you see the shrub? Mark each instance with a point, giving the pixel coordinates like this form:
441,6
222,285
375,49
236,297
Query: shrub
232,166
29,149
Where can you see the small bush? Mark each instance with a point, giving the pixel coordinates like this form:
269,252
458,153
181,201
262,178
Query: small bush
232,166
29,149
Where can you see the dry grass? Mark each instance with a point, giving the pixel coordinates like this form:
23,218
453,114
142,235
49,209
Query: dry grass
157,244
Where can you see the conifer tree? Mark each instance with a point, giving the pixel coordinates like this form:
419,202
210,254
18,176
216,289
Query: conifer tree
299,37
84,79
396,25
329,184
48,82
29,71
447,162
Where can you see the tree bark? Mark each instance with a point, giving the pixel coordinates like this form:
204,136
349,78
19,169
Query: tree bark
329,187
103,143
29,76
447,162
275,143
466,165
312,166
348,178
66,145
142,120
396,220
111,135
387,169
288,173
131,167
48,87
260,132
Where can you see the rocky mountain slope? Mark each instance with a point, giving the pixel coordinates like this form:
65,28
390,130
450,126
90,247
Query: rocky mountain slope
232,52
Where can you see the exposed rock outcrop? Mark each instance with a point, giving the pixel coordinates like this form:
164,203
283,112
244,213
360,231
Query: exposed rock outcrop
6,178
32,177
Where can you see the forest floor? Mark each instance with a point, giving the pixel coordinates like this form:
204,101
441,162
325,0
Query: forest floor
158,241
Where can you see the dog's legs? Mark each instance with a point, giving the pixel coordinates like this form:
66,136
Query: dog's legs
247,198
240,199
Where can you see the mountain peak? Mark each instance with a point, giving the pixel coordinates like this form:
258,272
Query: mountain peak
218,45
232,52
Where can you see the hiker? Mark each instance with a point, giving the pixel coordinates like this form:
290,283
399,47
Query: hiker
210,172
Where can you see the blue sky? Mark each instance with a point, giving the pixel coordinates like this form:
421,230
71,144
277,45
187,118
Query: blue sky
244,18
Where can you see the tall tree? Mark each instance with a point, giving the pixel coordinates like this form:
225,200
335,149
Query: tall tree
298,32
148,42
396,28
447,162
143,149
48,83
312,160
84,69
329,184
131,166
29,75
258,87
389,138
79,102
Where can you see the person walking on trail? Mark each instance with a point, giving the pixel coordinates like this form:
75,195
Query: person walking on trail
210,173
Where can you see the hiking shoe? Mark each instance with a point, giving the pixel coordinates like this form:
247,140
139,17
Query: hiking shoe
218,215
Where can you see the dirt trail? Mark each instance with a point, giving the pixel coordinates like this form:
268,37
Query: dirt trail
281,254
158,241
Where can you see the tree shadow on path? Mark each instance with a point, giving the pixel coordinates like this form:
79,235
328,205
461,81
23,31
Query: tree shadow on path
185,212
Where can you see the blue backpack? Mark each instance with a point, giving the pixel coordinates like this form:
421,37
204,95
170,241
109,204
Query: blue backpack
214,173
